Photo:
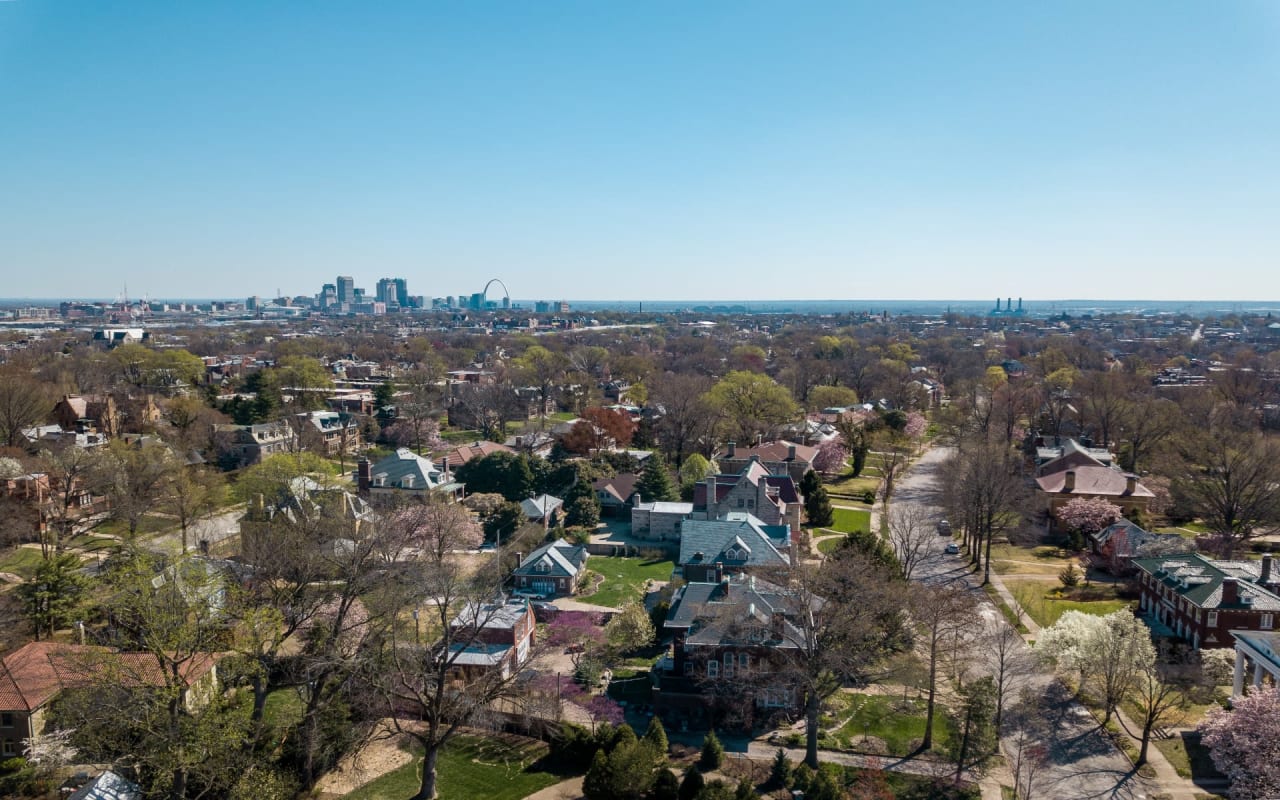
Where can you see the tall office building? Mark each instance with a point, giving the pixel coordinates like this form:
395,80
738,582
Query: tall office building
387,291
402,293
346,289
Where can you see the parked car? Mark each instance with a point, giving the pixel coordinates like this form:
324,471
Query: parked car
944,528
952,549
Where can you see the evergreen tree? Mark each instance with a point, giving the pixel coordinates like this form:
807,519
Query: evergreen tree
656,737
597,784
582,512
746,790
54,592
974,738
666,786
817,507
810,483
780,771
712,752
692,785
655,483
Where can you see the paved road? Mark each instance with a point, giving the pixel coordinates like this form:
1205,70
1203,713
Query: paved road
1083,763
212,529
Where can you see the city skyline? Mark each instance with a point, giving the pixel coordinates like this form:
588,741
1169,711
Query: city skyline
693,153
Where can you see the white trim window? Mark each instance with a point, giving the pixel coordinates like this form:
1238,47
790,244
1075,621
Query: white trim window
1212,619
713,669
1266,622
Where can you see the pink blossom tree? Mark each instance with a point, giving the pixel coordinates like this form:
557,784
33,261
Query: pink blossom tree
419,434
1086,515
578,632
832,456
916,425
1242,742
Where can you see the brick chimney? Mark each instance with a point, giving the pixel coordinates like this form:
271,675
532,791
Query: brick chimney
444,468
519,559
364,476
1265,578
791,452
1130,483
1230,592
720,573
1069,481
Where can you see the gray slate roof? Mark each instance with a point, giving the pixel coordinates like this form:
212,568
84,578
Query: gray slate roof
561,559
404,463
737,540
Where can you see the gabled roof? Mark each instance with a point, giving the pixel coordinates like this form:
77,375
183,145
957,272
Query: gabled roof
741,610
770,451
738,540
491,616
620,486
108,786
540,507
1199,579
465,452
753,474
561,559
1128,539
1093,481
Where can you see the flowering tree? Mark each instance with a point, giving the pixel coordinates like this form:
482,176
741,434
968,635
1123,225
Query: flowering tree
418,433
1243,743
832,456
1110,653
916,425
1088,515
577,632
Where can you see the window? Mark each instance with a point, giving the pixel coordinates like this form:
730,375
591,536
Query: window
751,503
7,748
6,720
713,669
728,665
1212,621
744,661
740,502
1265,624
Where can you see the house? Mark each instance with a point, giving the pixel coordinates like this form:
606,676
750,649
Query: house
490,636
773,498
39,500
659,520
1203,600
1116,545
306,501
553,570
465,452
244,445
1078,473
329,432
736,543
614,494
1052,458
108,786
778,458
404,473
79,412
544,509
727,637
32,676
1262,651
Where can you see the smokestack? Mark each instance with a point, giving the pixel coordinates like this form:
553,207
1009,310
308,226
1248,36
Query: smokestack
1130,483
731,449
1265,579
1019,303
791,452
1069,481
1010,306
1230,592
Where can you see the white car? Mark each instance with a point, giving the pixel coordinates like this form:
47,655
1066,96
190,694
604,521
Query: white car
952,549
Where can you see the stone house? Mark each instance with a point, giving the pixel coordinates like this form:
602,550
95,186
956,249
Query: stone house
774,499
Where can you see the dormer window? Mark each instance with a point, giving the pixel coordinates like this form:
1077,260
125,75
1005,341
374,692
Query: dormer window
543,566
407,482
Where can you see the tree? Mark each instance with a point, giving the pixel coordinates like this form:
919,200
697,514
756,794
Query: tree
615,427
712,755
857,431
817,507
1029,757
974,736
1084,516
693,784
696,468
780,770
943,612
654,483
583,511
1157,698
502,523
910,533
1009,662
542,369
73,483
193,492
1229,479
983,489
507,474
750,404
625,773
23,403
666,786
305,380
136,478
630,629
686,422
832,456
1242,743
54,593
1110,653
655,736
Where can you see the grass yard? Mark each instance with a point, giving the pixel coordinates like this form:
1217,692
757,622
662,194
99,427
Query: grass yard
899,725
827,545
1187,756
624,578
848,520
1037,600
489,768
21,561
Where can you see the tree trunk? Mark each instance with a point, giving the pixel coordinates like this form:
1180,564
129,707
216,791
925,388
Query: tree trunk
986,575
811,730
1146,739
927,742
428,789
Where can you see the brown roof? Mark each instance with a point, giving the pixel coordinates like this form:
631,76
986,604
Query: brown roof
31,675
771,451
1093,481
620,486
465,452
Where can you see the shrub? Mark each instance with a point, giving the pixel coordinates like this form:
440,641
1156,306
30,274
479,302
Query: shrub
869,497
712,752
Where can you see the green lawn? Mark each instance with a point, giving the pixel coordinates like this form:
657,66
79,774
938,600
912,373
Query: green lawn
1036,599
1187,756
848,520
624,578
829,544
489,768
21,561
899,724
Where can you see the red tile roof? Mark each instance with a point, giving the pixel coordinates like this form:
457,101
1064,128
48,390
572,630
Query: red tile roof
465,452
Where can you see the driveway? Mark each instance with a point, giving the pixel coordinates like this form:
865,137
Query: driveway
1082,761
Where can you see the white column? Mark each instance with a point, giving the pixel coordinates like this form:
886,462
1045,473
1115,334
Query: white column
1257,674
1237,681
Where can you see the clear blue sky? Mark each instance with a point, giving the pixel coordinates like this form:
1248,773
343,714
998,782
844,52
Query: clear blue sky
681,150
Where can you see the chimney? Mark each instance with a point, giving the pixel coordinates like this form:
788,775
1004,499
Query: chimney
719,572
364,476
731,449
444,467
1130,483
1069,481
519,442
1230,592
1265,578
712,500
519,559
791,452
1019,303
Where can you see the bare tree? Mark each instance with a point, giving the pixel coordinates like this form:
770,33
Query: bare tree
942,613
1010,662
985,491
1158,696
686,420
1229,477
1026,748
911,530
23,403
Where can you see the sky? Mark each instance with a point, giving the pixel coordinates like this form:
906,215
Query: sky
648,150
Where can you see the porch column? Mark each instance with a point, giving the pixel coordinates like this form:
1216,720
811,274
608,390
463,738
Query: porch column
1257,674
1237,681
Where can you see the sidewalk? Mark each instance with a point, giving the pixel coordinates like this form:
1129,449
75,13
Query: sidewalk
1171,783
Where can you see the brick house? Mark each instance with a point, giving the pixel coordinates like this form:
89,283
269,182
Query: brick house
1090,481
329,432
33,676
614,494
774,499
245,445
728,638
1202,600
1115,546
553,570
490,636
778,458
